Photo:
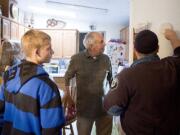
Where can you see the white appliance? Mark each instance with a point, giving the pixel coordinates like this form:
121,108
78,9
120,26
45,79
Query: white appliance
57,67
52,69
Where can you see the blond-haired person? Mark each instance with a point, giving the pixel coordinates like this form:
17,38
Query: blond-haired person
29,101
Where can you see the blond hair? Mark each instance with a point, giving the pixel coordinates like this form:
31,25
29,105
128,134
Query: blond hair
33,39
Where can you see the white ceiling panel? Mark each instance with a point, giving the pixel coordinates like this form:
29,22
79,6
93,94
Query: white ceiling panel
112,11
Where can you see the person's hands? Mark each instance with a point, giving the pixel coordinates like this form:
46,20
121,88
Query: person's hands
69,105
172,37
170,34
67,99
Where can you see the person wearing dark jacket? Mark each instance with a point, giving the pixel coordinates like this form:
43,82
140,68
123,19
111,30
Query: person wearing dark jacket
30,102
146,95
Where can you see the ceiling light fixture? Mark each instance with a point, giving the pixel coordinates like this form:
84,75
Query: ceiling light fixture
76,5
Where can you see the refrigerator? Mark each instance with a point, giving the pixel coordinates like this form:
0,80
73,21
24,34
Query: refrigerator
116,50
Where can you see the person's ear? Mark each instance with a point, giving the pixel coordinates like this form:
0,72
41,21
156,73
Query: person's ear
157,50
134,50
136,53
37,52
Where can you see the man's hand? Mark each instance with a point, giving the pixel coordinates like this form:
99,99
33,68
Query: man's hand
67,99
172,37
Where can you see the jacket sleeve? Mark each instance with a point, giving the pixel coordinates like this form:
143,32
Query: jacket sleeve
1,106
51,111
71,71
116,100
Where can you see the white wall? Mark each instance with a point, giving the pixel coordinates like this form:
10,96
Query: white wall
156,12
112,30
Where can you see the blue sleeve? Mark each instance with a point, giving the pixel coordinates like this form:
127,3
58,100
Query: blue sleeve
1,106
51,110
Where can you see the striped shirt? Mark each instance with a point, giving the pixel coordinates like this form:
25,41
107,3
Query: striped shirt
30,102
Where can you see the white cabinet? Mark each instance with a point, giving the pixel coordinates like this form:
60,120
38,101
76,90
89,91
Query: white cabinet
26,29
14,31
11,30
69,43
124,36
56,41
64,42
6,29
21,31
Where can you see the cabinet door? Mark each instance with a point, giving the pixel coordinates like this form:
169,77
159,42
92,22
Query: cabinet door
124,36
69,44
56,41
21,31
26,29
6,29
14,31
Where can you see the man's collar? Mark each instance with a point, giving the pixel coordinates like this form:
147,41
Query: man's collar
89,56
87,53
149,58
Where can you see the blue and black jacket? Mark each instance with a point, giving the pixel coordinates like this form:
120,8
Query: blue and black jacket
30,103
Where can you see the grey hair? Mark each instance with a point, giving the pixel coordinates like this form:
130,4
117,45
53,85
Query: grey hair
89,39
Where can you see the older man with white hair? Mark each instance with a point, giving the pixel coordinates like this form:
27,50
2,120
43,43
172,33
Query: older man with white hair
90,67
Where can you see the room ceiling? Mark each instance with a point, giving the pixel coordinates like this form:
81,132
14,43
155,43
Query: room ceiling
97,11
